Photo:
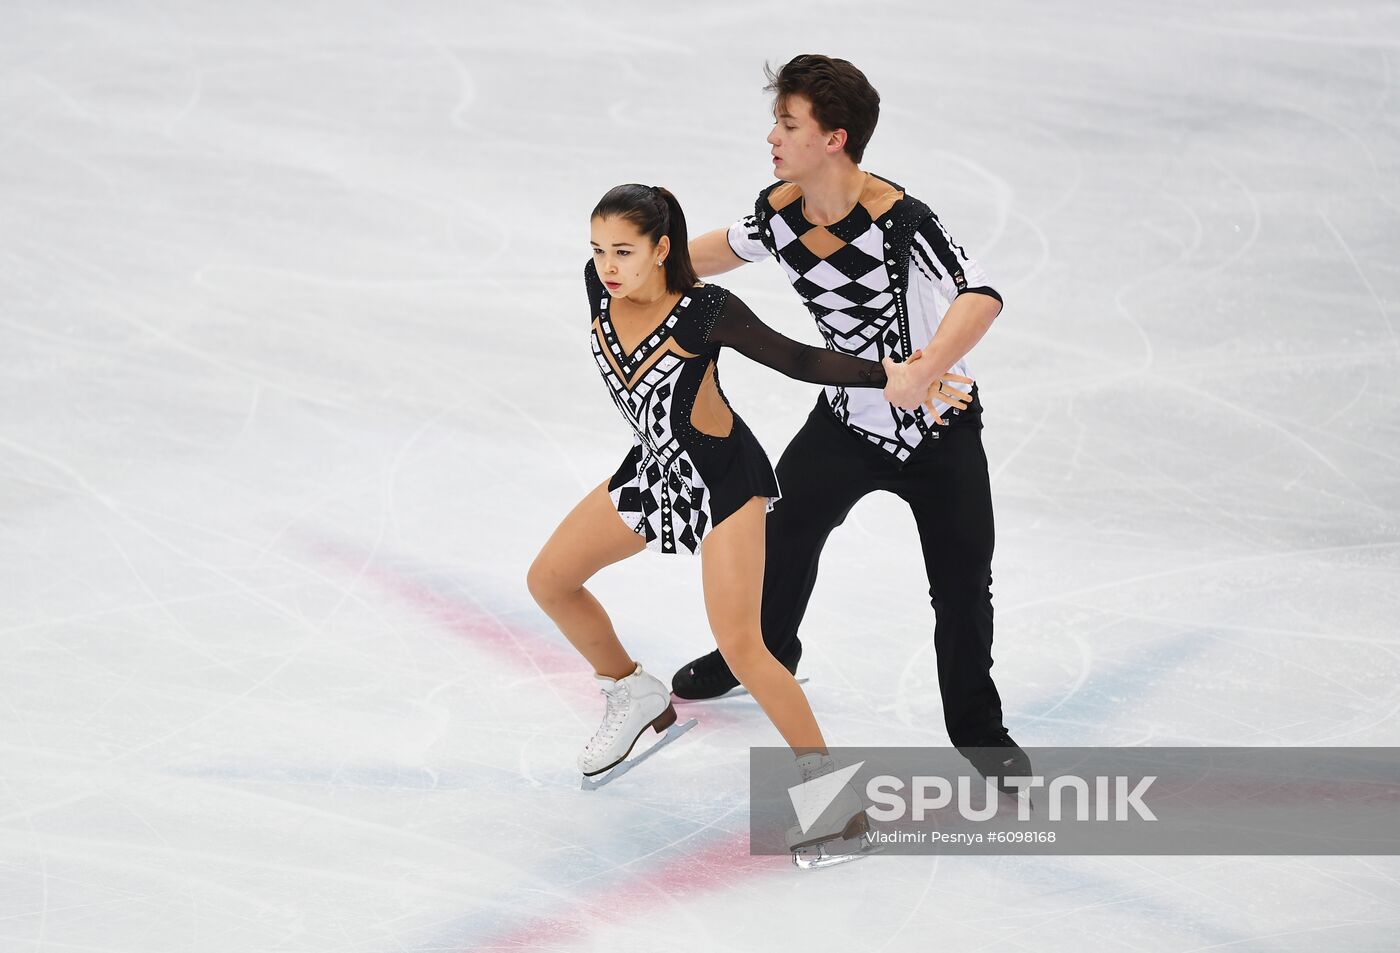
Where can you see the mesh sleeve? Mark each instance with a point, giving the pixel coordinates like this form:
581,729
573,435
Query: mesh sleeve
738,327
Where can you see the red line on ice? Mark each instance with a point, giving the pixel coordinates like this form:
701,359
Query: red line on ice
714,866
699,865
524,646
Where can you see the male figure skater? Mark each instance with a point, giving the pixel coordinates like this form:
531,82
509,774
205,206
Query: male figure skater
882,277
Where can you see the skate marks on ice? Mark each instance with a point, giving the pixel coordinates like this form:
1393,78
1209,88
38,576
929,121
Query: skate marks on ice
712,858
462,612
453,605
458,606
675,877
597,781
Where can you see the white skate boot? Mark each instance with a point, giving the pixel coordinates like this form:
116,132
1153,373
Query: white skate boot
634,703
833,827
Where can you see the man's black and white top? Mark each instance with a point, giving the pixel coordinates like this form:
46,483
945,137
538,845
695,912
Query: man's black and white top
878,283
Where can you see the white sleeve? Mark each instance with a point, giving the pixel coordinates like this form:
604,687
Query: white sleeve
945,263
744,240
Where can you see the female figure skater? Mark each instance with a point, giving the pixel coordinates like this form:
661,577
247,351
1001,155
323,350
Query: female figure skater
696,479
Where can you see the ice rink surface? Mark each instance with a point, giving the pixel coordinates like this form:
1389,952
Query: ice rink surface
294,382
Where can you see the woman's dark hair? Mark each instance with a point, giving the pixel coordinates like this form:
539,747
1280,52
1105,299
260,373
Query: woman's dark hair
841,96
655,212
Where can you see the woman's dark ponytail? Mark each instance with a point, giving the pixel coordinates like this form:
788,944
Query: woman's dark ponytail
655,212
680,271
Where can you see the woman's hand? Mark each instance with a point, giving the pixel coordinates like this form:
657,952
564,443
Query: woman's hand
906,386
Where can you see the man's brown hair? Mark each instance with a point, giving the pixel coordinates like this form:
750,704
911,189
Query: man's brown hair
841,96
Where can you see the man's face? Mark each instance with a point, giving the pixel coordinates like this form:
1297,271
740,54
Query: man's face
800,144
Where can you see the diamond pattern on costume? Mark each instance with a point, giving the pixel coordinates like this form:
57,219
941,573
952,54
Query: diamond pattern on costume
832,300
853,280
647,406
851,332
872,242
826,276
855,291
877,279
783,235
669,505
663,498
630,362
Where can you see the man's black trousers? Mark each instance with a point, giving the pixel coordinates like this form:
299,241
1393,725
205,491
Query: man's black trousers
823,472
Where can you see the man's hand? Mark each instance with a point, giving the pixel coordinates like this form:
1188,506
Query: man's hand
908,385
942,391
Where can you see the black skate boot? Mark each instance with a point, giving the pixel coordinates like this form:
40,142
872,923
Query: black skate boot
709,675
995,755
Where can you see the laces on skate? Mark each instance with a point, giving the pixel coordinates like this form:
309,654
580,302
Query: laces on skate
596,781
633,704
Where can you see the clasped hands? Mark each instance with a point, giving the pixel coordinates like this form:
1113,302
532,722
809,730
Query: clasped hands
907,387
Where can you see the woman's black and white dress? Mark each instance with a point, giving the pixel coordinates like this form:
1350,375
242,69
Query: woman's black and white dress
679,481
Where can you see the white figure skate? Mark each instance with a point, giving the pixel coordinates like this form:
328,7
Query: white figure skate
634,703
833,827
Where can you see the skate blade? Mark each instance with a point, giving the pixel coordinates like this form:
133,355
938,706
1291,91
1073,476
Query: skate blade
618,770
834,853
739,691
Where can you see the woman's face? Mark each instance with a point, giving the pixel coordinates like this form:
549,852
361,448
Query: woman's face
625,258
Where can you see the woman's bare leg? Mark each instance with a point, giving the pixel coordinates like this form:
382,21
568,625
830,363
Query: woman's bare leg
590,537
732,567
